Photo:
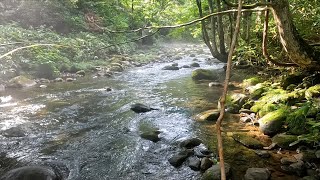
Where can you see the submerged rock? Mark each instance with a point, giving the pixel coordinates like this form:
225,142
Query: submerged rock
140,108
31,173
13,132
170,68
194,64
151,135
204,74
257,174
214,172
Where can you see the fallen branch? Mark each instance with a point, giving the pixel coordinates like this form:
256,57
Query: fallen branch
249,6
26,47
315,44
225,90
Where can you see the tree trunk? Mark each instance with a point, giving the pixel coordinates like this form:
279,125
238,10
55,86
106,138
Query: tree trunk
220,30
297,49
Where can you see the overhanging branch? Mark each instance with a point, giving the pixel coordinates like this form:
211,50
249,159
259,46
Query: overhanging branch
248,6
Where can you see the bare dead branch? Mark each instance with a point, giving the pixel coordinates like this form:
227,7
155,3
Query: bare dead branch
315,44
225,90
26,47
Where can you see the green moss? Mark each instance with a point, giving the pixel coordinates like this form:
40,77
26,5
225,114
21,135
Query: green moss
313,91
297,120
279,114
204,74
265,109
251,81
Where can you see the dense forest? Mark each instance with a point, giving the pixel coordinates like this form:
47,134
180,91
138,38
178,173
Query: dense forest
271,80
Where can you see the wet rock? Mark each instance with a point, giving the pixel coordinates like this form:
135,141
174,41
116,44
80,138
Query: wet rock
192,55
43,86
284,140
205,164
212,84
317,153
140,108
235,102
70,79
58,80
257,174
306,156
297,168
288,160
43,80
194,163
178,159
20,82
247,141
81,73
31,173
210,115
214,172
14,132
190,143
271,123
204,74
175,64
202,151
151,135
194,64
185,66
170,68
262,153
177,58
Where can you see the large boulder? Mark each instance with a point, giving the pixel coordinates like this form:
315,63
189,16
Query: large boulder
31,173
210,115
271,123
177,159
194,163
214,172
190,143
205,74
257,174
205,164
21,82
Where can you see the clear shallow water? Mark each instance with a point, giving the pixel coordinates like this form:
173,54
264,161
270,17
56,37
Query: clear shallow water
95,133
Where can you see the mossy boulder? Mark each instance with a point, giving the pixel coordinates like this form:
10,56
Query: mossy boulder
284,140
312,92
210,115
204,74
251,82
214,172
257,90
247,141
20,82
47,70
271,123
236,101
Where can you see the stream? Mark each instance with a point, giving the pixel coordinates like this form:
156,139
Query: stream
96,135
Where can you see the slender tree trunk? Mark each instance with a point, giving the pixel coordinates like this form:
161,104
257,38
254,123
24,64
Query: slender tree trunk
297,49
213,27
225,90
220,30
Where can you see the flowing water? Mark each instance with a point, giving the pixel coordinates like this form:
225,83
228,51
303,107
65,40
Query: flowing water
96,135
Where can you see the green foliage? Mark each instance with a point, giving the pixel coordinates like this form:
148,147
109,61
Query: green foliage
297,120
